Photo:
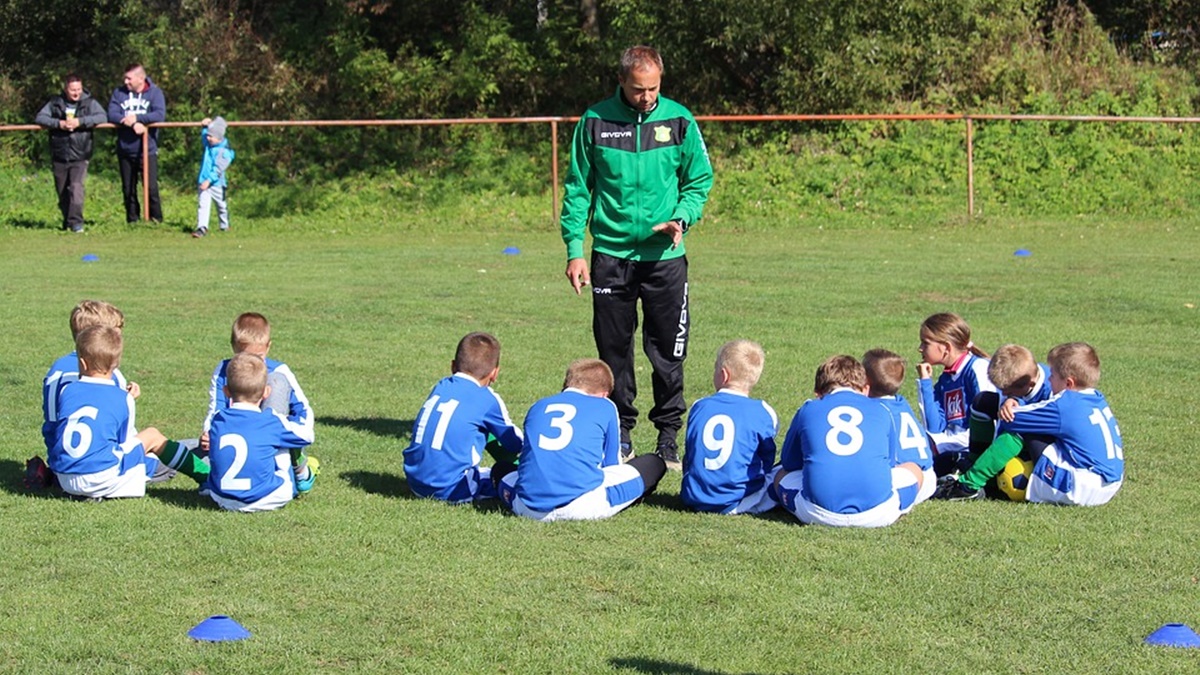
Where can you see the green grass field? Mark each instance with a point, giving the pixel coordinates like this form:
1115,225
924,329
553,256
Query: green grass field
359,576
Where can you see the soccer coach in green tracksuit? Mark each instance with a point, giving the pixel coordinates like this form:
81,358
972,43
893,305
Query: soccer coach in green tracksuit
638,180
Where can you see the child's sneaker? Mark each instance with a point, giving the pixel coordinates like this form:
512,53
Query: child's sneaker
954,491
199,232
38,476
314,469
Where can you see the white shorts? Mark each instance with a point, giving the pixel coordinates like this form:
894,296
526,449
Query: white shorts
111,483
276,499
1054,481
759,501
878,516
591,505
928,487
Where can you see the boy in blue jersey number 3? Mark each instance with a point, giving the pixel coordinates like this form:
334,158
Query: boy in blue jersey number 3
837,458
570,465
730,439
452,428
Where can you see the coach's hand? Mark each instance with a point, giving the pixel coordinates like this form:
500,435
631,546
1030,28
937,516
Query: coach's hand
577,274
673,229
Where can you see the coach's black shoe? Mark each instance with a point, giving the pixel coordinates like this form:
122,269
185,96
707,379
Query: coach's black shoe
669,452
954,491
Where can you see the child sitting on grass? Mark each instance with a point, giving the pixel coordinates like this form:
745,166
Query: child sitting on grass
570,467
885,374
730,439
453,426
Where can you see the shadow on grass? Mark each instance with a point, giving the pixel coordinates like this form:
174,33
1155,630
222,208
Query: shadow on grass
665,501
383,484
662,667
12,482
185,495
31,223
387,428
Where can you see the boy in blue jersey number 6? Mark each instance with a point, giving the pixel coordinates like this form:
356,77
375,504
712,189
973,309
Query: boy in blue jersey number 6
249,451
570,465
837,459
452,428
730,439
885,374
98,452
1085,465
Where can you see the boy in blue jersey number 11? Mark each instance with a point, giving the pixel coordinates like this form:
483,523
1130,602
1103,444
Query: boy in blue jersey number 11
1021,380
1085,463
250,446
570,466
453,427
885,374
838,457
730,440
98,452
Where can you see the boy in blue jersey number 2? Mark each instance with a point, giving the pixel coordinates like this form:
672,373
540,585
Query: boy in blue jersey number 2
453,426
570,466
1085,465
98,452
730,439
837,458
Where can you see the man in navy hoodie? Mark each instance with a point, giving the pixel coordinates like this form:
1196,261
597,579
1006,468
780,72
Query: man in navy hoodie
133,106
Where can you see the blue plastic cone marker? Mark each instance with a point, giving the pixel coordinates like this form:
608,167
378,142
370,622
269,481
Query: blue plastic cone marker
1174,635
91,257
1022,253
512,250
218,628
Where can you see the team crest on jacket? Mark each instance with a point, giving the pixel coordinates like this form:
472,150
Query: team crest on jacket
662,134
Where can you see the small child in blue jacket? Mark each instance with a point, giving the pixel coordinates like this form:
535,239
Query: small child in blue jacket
211,181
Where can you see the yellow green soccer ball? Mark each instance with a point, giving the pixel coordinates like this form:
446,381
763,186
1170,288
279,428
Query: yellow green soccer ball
1014,478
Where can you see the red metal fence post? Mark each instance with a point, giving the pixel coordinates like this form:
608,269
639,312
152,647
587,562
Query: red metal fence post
970,168
553,170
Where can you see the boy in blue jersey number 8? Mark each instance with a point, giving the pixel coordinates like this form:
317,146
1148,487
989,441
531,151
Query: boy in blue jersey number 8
885,374
570,465
451,430
98,452
1085,465
837,460
730,439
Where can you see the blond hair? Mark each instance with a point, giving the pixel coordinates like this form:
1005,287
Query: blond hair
952,329
250,329
884,370
743,360
90,313
246,378
100,348
839,371
1013,368
477,355
1078,361
590,375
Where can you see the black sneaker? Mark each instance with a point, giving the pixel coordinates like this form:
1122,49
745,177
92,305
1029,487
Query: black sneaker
626,451
669,451
38,476
954,491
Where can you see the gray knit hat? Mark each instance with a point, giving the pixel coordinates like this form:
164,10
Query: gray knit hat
216,129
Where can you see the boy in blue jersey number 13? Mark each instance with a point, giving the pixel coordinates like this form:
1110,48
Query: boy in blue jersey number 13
730,439
885,374
1085,464
452,429
570,465
837,458
98,452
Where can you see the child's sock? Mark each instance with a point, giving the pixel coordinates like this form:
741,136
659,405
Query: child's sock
991,462
300,463
182,456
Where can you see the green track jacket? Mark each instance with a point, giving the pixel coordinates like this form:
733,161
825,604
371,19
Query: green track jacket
629,172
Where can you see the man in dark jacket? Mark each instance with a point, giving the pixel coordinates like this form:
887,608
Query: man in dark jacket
70,117
134,105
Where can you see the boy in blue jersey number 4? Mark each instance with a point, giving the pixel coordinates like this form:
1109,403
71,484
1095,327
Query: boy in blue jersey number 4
1085,465
570,466
251,334
730,439
452,428
885,374
98,453
837,459
1021,381
249,446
